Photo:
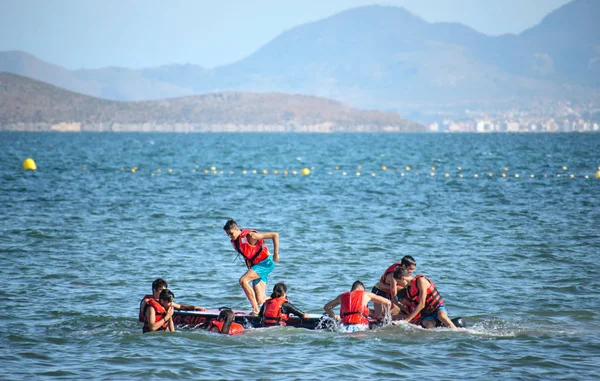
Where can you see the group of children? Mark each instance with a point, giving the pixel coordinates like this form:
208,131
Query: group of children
414,299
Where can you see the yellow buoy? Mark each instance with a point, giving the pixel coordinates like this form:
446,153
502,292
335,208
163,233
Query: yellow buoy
383,168
305,171
29,164
598,174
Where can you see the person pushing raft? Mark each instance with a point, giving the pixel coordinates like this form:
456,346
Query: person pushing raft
388,286
225,324
354,309
425,300
250,244
276,310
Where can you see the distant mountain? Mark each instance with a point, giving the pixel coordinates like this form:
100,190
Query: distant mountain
378,57
27,104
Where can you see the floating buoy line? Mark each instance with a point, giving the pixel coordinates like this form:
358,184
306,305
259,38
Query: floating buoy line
359,170
407,171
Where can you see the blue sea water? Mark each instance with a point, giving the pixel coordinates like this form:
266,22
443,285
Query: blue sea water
83,237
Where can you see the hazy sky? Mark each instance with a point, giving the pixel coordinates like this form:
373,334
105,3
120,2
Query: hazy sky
146,33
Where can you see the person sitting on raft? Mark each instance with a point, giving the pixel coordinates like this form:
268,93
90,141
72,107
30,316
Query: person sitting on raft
354,308
425,300
159,314
275,311
158,285
388,285
225,324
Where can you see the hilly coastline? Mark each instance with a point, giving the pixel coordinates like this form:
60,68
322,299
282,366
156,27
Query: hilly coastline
31,105
378,57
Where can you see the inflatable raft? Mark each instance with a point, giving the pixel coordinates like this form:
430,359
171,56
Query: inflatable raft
201,319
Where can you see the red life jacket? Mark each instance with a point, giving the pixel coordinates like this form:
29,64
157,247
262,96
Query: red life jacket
433,299
253,254
389,270
235,328
353,310
159,313
272,314
144,301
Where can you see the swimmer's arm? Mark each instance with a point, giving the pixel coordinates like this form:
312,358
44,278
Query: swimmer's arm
422,296
394,290
289,308
171,325
378,299
187,307
330,305
274,236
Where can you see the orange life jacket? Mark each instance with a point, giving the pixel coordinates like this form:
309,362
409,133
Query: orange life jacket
433,298
272,314
159,313
253,254
142,315
389,270
352,309
235,328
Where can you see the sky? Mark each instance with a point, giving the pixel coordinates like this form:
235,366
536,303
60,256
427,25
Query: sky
147,33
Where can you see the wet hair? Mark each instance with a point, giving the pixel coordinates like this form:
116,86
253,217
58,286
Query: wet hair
166,295
159,283
226,316
230,224
356,285
278,290
408,260
400,272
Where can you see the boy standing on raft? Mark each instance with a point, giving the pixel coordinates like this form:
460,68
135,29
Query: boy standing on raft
250,244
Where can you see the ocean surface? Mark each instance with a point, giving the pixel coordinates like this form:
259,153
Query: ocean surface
507,226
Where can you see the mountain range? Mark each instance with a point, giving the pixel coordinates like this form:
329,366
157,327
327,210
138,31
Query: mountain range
377,57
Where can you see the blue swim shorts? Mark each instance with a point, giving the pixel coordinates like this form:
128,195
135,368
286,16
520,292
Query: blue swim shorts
263,269
434,316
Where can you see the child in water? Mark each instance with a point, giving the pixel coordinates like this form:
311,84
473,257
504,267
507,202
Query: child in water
225,324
